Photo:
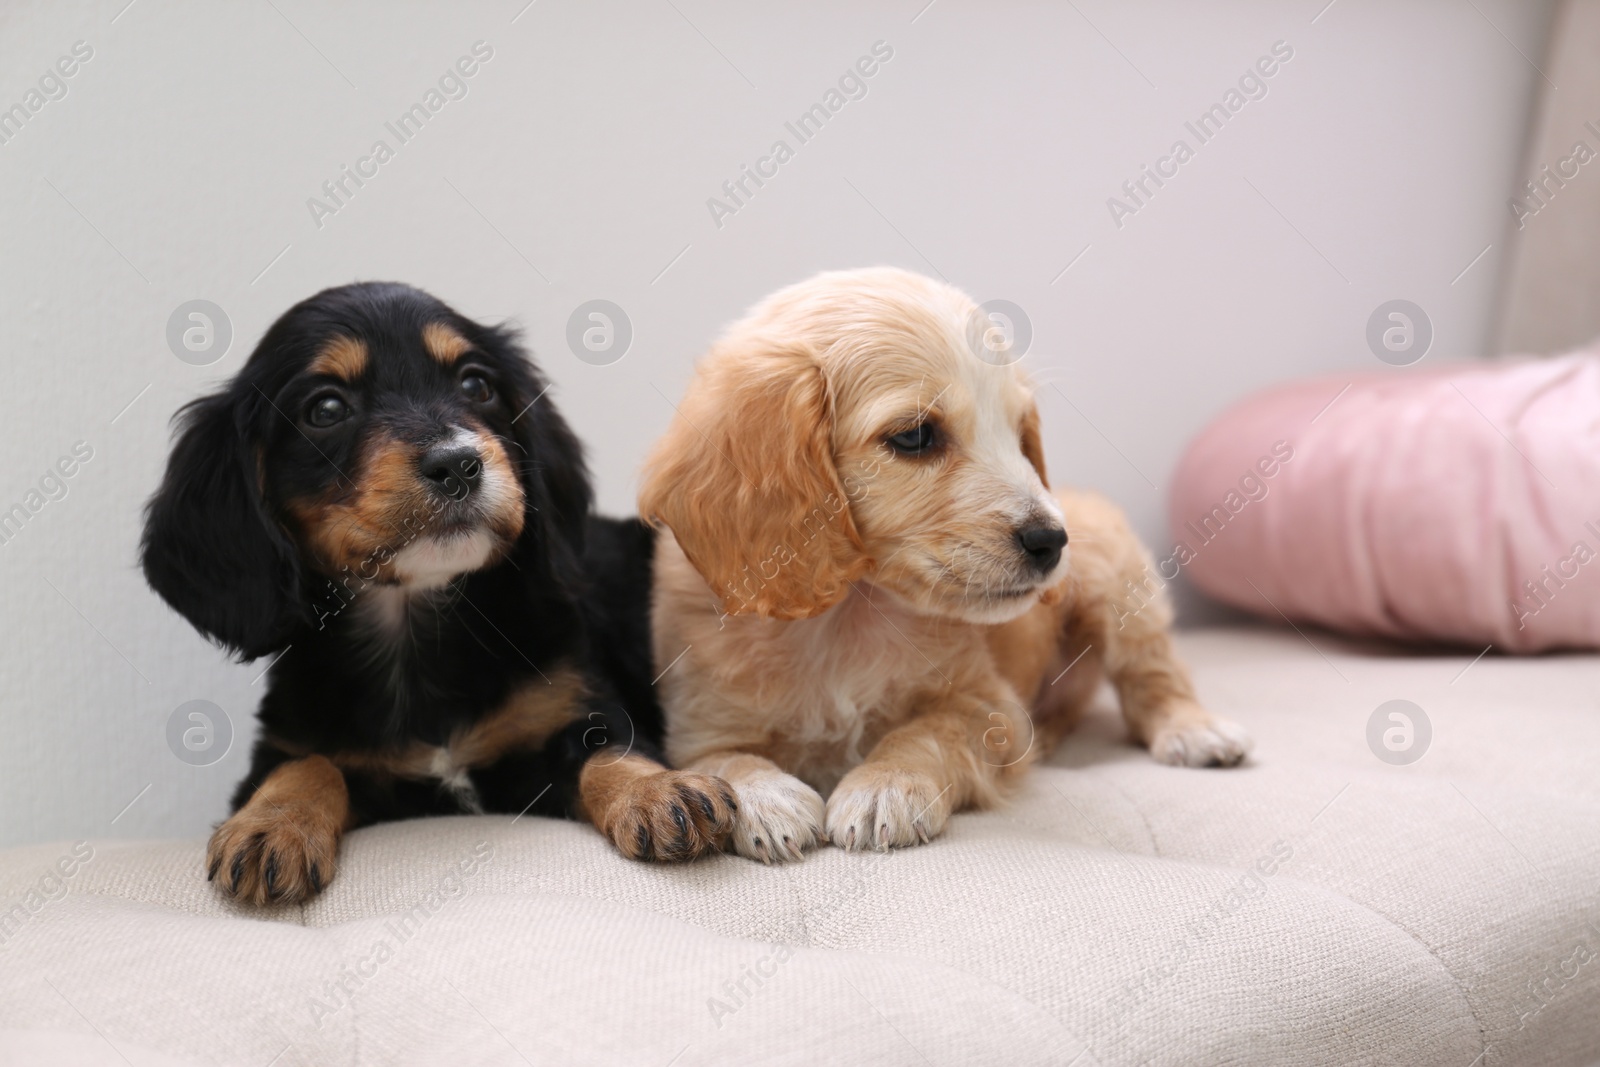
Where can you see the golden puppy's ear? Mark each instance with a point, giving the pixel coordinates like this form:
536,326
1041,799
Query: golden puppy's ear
1032,444
745,478
1033,448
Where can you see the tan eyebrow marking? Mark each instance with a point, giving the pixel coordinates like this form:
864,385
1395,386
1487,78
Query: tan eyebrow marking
342,357
443,343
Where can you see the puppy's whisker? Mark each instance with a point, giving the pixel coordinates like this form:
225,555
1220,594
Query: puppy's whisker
1048,375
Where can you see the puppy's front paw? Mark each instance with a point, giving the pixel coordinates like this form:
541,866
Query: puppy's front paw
1200,740
779,817
274,854
881,807
671,816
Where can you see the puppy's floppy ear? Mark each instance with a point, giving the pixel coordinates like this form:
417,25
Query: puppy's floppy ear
1032,443
549,460
746,480
1033,448
210,548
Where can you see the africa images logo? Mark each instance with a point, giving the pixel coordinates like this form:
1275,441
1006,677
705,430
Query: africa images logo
852,85
52,86
1252,85
453,85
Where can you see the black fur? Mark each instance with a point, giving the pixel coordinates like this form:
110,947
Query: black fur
221,546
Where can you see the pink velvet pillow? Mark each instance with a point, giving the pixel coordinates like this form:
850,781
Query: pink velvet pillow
1457,504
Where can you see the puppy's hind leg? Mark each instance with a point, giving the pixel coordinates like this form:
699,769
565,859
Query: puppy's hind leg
1158,702
1121,608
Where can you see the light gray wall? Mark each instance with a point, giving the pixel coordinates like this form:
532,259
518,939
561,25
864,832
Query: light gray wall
578,166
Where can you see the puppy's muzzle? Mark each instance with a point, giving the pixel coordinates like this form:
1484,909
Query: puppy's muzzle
1041,544
454,470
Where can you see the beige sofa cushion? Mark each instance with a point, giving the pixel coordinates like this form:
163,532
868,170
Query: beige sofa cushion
1316,907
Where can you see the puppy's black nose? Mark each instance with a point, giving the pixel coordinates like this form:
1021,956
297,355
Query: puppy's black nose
1042,542
452,468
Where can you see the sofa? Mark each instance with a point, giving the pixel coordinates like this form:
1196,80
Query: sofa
1328,903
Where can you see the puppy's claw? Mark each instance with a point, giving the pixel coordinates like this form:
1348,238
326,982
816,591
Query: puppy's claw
236,873
791,851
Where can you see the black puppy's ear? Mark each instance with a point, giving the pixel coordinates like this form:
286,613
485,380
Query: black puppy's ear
554,475
210,548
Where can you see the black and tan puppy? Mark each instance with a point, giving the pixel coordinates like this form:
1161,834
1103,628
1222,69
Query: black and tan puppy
384,500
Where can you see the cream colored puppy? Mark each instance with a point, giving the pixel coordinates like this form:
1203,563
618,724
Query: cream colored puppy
865,592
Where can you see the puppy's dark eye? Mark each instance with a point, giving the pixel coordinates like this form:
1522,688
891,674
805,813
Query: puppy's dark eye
914,441
327,410
476,387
